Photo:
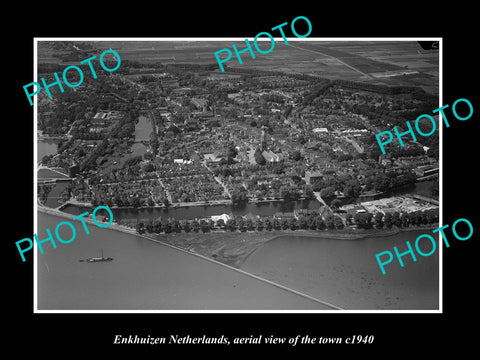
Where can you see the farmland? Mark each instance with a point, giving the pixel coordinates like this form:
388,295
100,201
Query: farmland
401,63
348,60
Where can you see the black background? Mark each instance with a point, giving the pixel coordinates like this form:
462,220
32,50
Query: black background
56,335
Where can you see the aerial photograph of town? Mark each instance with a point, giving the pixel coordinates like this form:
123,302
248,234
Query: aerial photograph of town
261,187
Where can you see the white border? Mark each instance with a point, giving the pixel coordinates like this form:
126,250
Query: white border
387,311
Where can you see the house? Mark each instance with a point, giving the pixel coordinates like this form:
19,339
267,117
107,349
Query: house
320,130
304,212
312,176
271,157
224,217
354,209
200,104
211,158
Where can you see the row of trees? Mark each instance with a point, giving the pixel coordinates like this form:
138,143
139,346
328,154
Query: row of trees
309,222
398,219
303,222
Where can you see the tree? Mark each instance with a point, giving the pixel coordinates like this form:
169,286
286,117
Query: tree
157,226
241,224
149,226
308,192
221,223
135,201
232,151
259,159
186,227
338,222
249,224
231,224
302,222
387,220
140,228
311,222
268,224
352,188
432,216
327,192
320,225
329,222
335,204
348,218
239,195
276,223
363,220
420,218
381,182
195,225
396,219
292,223
204,226
297,155
167,226
259,224
378,220
175,224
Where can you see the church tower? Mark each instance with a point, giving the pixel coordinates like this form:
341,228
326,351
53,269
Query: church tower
263,141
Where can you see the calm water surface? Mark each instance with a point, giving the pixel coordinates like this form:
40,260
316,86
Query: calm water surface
46,147
144,275
193,212
346,272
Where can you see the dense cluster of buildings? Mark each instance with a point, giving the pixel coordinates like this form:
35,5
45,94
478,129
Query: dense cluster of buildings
216,136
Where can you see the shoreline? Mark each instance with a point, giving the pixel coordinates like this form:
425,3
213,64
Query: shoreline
183,204
233,248
341,234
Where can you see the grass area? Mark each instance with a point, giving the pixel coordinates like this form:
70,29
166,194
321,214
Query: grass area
49,174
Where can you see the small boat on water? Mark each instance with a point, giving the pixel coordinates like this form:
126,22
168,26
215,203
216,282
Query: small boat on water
98,259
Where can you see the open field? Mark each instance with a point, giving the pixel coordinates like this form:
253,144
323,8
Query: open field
377,62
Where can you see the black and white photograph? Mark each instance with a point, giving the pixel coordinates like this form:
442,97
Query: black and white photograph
258,185
217,180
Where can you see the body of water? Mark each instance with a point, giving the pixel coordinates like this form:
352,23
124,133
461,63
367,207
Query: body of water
144,276
143,129
193,212
346,272
423,188
46,147
267,208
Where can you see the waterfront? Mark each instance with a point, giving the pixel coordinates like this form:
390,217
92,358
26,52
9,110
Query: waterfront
46,147
346,273
267,208
146,276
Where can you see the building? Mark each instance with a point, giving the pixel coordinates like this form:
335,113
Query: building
320,130
223,77
200,104
271,157
224,217
312,176
263,141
